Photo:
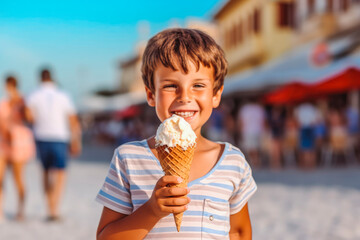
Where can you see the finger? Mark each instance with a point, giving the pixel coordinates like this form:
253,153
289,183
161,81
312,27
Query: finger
167,192
173,191
174,201
174,209
165,180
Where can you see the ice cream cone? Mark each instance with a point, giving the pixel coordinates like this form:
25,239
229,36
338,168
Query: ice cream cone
176,161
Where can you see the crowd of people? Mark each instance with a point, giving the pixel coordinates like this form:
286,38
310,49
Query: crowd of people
306,135
45,123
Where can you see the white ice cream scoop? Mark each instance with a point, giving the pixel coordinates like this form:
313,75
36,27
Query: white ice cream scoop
175,131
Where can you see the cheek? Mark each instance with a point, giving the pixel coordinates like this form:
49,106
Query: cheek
206,100
161,100
162,106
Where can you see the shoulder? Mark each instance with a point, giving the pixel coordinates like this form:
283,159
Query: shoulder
234,156
132,149
62,94
231,150
3,101
4,105
34,94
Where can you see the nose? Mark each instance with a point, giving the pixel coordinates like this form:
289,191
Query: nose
184,96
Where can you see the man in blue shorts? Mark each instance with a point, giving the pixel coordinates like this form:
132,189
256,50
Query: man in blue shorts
56,130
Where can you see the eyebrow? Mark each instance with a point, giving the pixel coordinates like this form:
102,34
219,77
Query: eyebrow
202,79
176,80
167,80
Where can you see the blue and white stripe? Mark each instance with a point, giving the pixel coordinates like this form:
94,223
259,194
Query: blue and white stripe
223,191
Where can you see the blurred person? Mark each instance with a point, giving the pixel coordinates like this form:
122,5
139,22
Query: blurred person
353,127
17,145
183,71
290,140
339,139
251,124
321,130
57,132
113,130
306,115
276,122
229,122
215,126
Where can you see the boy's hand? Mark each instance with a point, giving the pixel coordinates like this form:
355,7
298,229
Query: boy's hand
166,199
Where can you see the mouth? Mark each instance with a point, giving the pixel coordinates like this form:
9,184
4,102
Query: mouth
184,114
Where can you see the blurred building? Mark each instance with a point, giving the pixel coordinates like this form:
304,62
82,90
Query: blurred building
130,67
267,43
130,90
254,32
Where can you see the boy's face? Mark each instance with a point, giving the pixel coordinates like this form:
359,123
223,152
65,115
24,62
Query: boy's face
187,95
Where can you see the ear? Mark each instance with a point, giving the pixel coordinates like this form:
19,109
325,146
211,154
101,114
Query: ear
150,97
217,97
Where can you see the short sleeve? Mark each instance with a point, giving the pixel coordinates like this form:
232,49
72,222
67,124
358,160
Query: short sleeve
245,189
115,192
70,107
29,101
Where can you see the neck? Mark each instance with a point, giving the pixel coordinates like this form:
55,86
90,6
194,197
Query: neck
14,95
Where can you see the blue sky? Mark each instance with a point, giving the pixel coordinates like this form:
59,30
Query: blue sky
82,41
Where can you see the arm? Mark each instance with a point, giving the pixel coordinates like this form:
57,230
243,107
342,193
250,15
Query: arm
75,141
164,200
4,130
28,115
240,225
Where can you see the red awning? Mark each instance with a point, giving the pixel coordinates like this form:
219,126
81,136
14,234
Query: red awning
290,93
297,92
339,83
128,112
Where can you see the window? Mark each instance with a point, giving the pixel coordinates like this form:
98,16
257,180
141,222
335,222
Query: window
230,37
311,7
257,20
250,24
330,6
227,39
239,32
286,14
233,35
344,5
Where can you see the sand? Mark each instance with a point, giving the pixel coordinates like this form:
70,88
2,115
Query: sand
290,204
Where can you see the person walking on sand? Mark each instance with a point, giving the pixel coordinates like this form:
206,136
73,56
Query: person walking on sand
57,132
251,121
17,145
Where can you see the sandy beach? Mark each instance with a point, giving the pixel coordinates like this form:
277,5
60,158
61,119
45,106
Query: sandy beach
289,204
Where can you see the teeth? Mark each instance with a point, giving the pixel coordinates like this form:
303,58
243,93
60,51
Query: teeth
185,114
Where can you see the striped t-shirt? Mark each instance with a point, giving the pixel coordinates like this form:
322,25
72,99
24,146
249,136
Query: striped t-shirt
223,191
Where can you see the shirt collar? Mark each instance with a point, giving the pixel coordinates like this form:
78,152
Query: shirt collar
48,85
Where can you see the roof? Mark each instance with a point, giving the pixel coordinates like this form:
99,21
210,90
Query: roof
130,61
227,5
95,104
291,67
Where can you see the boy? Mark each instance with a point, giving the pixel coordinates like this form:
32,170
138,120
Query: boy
183,71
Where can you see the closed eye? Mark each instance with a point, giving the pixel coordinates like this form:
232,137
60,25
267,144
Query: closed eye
170,86
199,85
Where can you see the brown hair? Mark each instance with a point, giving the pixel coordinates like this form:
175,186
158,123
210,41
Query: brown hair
175,47
10,80
45,75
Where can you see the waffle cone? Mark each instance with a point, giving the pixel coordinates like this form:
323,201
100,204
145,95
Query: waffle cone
176,161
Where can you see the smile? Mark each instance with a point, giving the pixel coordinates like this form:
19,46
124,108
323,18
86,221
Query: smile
185,114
